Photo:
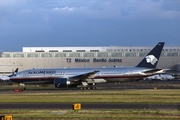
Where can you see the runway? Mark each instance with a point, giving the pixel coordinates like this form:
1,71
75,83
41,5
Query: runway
86,106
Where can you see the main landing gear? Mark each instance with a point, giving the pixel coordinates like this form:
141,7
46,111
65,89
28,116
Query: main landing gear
88,87
22,86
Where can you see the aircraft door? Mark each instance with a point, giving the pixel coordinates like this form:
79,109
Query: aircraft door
130,72
45,76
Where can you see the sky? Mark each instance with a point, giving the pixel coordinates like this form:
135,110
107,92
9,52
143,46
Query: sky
60,23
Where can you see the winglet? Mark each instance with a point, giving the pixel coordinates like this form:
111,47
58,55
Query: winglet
152,58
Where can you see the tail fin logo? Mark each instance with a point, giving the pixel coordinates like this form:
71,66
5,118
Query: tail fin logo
151,59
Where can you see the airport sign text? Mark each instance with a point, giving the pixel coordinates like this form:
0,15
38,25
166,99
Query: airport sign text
95,60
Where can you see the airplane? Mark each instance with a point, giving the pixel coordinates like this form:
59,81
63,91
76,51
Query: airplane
87,78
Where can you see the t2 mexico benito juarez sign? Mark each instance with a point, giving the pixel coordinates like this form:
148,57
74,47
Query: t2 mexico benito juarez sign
80,60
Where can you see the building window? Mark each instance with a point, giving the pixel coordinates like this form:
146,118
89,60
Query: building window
172,54
80,50
102,54
94,50
6,55
163,54
18,55
130,54
88,54
60,55
116,54
74,55
142,54
46,55
53,50
32,55
39,51
67,50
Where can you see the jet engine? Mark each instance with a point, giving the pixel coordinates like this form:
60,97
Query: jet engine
61,82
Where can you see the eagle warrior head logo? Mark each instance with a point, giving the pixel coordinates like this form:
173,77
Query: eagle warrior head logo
151,59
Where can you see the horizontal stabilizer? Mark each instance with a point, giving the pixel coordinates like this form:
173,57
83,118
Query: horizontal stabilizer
155,71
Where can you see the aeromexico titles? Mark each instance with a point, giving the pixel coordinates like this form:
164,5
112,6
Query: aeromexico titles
88,77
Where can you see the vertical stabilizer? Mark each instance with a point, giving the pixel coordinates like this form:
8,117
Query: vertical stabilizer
14,73
152,58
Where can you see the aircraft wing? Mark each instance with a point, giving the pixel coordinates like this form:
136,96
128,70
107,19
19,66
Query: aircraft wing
83,76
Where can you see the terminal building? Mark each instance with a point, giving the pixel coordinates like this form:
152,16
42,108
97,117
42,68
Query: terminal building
71,57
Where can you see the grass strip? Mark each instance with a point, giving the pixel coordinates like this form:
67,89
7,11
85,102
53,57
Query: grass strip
98,96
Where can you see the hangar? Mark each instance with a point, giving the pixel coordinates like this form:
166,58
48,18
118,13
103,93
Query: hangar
69,57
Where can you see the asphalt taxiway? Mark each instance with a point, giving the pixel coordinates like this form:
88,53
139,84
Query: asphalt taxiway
86,106
173,84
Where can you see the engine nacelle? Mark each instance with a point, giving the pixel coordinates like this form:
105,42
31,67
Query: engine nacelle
61,82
